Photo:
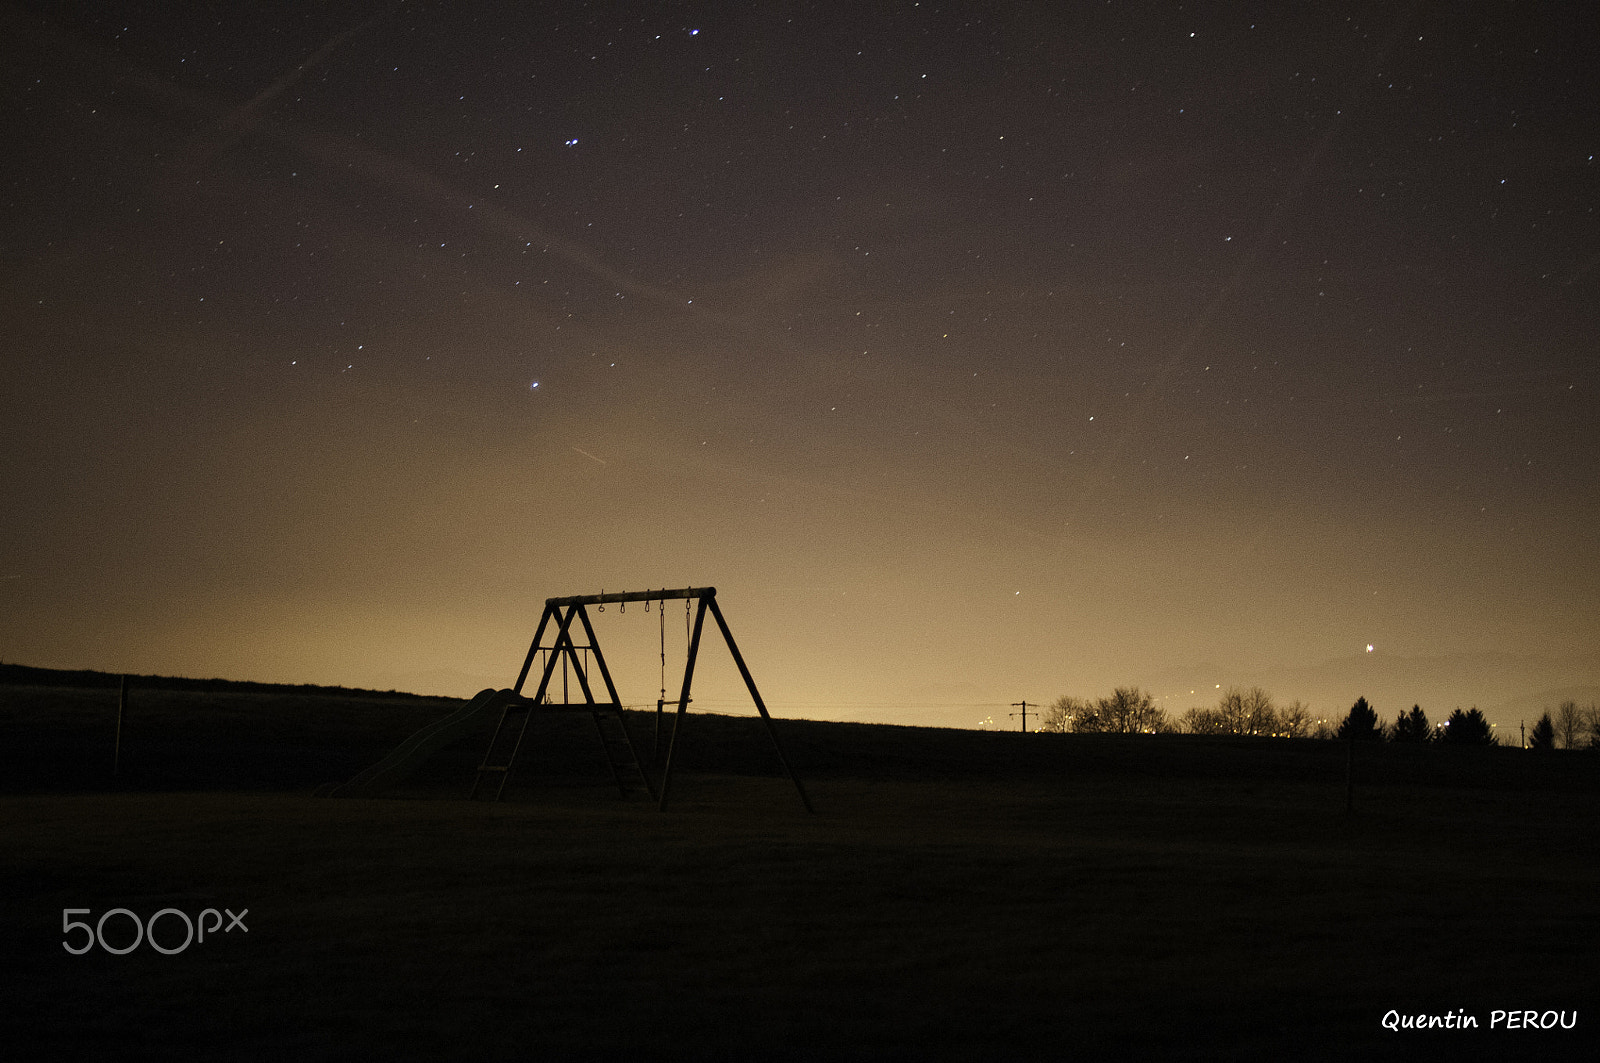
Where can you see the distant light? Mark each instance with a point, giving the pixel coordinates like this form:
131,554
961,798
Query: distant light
533,385
1369,647
572,142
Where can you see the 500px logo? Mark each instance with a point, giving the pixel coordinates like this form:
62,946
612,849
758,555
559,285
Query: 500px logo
145,931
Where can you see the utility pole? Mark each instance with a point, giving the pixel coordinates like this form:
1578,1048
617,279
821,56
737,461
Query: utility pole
1023,713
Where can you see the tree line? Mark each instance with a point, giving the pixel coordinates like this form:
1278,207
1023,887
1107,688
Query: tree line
1570,727
1130,710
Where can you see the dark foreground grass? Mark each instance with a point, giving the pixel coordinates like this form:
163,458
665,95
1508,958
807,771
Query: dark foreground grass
1066,899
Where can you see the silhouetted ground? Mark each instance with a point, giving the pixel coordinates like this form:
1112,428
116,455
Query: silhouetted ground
958,895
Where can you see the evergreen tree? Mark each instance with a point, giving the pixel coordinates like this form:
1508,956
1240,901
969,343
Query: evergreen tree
1412,726
1543,738
1467,729
1362,723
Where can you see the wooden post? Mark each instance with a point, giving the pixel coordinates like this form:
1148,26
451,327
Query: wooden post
116,748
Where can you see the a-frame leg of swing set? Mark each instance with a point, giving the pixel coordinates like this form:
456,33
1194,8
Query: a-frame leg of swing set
750,684
565,645
616,703
563,649
755,695
533,649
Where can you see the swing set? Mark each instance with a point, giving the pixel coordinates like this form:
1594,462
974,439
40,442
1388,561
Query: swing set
569,617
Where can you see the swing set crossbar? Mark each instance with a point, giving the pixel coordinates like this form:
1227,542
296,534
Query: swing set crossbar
605,598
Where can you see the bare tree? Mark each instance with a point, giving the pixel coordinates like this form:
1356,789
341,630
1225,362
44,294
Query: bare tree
1062,714
1129,710
1569,724
1294,721
1259,714
1198,721
1232,714
1248,712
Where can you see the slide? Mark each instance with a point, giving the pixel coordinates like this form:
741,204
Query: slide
406,757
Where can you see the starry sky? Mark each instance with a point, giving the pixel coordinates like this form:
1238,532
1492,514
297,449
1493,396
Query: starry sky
976,352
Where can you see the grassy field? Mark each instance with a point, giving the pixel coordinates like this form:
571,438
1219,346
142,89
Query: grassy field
958,895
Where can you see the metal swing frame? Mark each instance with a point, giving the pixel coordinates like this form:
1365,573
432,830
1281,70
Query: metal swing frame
621,755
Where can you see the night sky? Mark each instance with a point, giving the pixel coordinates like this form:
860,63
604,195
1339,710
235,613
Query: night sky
976,352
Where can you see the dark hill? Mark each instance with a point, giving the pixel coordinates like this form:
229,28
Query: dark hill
184,734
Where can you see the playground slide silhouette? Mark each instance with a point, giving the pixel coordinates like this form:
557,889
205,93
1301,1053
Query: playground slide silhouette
409,755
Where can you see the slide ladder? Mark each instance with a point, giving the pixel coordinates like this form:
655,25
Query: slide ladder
622,759
621,756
